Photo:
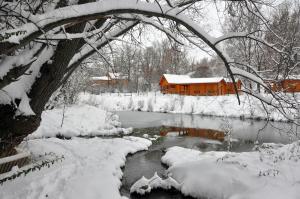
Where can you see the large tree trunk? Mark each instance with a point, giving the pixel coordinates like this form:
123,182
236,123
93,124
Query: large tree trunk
12,126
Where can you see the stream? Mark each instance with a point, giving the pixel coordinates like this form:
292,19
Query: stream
195,132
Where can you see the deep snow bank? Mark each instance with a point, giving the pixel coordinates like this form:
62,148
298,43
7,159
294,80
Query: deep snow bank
272,171
206,105
83,120
90,169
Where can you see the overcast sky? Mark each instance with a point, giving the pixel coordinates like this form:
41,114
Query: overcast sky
212,21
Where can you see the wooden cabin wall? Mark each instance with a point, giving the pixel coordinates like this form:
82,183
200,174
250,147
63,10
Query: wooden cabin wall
230,87
287,85
291,85
200,89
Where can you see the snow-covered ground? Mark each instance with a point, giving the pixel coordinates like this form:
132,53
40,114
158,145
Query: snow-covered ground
271,171
78,120
250,107
91,168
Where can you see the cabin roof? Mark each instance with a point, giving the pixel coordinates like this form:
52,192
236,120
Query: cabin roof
185,79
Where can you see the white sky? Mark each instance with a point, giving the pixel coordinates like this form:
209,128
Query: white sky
211,21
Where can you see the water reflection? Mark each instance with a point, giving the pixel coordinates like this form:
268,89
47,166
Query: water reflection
262,131
193,132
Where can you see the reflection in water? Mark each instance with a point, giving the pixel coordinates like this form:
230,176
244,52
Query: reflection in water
190,131
263,131
193,132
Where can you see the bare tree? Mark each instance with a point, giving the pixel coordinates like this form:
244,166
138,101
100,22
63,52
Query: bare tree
43,42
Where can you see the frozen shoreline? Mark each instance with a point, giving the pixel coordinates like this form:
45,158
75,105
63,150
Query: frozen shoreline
91,169
220,106
79,120
270,171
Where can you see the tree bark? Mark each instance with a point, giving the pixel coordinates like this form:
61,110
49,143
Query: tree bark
51,75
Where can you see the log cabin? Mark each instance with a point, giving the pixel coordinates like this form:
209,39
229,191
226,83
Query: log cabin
110,80
288,85
230,85
185,85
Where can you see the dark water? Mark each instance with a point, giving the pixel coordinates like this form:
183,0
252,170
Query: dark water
191,131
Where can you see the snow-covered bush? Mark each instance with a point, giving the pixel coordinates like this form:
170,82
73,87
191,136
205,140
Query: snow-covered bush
140,104
227,128
150,106
130,104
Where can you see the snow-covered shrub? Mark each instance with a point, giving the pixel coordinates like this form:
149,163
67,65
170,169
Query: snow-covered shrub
227,128
172,105
130,104
192,107
181,99
165,107
140,104
150,106
92,100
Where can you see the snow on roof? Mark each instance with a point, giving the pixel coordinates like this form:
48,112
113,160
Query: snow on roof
185,79
110,76
117,76
100,78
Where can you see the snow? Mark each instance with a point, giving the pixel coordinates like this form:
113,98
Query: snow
100,78
271,171
14,157
116,75
110,76
101,8
185,79
145,185
243,73
91,168
204,105
24,107
9,62
79,120
20,88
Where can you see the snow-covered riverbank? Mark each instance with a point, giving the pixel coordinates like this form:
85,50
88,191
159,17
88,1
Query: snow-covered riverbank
91,168
79,120
271,171
250,107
